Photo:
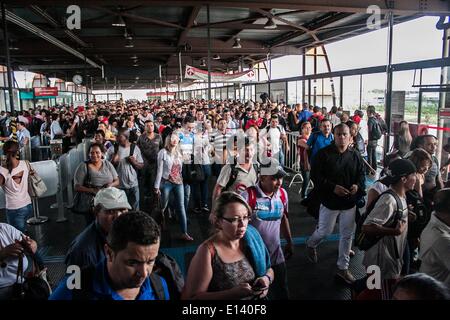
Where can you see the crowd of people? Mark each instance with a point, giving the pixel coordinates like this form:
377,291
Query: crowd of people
164,156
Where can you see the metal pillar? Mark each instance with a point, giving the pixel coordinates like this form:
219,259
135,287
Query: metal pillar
389,74
315,72
209,54
341,91
86,82
442,95
303,74
360,91
8,59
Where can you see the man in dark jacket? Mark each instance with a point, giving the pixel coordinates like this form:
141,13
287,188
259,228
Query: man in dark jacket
338,174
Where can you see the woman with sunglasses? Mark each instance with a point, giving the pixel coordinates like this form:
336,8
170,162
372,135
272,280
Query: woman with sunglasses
234,262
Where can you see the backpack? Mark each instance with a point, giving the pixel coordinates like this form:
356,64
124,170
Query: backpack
315,123
364,241
252,198
375,131
167,268
234,173
87,277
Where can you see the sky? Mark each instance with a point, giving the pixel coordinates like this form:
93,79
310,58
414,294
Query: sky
413,40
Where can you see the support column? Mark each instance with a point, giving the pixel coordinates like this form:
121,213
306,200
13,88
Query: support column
209,55
304,74
443,97
389,74
9,70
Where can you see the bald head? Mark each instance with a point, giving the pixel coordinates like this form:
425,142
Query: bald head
442,201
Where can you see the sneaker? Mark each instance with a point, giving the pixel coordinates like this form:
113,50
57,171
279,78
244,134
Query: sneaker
311,253
346,276
197,210
351,253
205,209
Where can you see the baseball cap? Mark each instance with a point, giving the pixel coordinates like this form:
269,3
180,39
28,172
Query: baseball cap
112,198
273,168
397,169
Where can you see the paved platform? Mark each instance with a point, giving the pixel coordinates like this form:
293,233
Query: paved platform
306,280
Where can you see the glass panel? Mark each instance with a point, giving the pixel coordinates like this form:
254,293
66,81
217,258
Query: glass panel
259,89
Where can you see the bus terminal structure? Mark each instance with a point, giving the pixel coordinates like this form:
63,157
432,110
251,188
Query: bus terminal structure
95,50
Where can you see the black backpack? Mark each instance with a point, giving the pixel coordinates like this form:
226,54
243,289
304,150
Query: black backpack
168,268
364,241
87,277
375,130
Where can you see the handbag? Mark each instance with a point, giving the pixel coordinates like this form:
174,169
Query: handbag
158,213
36,186
192,172
34,285
83,201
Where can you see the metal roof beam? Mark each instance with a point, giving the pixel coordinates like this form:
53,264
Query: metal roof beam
401,7
11,17
40,12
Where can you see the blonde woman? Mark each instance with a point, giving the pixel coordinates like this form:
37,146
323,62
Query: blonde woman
403,140
234,262
169,179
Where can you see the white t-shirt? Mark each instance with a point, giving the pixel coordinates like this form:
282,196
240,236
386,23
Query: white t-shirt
274,137
16,195
387,253
379,187
7,236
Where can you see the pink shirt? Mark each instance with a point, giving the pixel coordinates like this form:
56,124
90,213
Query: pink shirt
16,195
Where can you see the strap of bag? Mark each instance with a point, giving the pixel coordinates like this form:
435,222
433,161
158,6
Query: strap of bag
19,273
157,285
252,197
87,178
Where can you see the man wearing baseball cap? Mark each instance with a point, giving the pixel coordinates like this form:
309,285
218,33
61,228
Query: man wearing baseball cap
88,247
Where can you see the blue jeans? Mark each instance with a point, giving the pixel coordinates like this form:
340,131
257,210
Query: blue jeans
187,194
306,178
18,217
133,197
178,192
201,188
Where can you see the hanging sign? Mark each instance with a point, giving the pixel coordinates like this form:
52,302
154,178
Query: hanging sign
199,74
46,91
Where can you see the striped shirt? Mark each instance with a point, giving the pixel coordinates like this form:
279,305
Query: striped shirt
219,143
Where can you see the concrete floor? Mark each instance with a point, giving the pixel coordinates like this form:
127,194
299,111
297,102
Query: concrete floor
306,280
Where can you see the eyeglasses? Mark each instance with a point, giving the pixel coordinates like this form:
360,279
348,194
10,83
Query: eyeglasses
236,220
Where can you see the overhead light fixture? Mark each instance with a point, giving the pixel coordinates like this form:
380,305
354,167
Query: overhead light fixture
129,44
216,57
127,34
237,43
135,64
134,57
203,63
119,21
270,24
13,48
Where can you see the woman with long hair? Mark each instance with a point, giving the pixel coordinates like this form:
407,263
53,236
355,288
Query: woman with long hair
169,179
305,167
14,181
403,140
234,262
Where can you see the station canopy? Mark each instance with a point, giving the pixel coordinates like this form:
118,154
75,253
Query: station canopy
128,41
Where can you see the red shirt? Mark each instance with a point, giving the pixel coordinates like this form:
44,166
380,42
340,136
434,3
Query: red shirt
356,119
252,122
